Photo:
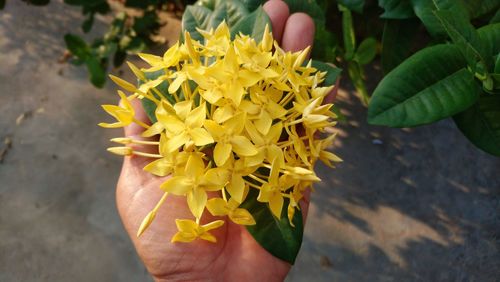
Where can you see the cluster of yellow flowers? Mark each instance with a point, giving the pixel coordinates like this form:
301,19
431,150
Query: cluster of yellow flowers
249,121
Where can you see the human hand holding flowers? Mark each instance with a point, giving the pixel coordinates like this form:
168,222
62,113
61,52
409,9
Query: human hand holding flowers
236,255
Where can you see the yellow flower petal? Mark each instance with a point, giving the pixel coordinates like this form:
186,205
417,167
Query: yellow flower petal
217,207
160,167
242,217
177,185
222,152
276,204
176,142
195,166
242,146
123,84
236,188
148,219
197,199
264,122
197,116
201,137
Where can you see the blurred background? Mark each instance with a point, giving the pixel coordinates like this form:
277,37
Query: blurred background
406,205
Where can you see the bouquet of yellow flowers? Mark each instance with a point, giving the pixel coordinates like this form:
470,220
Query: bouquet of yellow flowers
235,117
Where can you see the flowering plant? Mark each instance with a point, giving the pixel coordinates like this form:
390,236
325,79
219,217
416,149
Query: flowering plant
234,117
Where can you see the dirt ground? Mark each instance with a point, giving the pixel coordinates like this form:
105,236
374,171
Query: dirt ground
406,205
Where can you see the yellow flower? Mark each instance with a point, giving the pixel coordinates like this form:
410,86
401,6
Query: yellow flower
124,114
231,115
219,207
189,230
194,184
229,138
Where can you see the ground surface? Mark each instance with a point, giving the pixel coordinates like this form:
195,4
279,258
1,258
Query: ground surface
413,205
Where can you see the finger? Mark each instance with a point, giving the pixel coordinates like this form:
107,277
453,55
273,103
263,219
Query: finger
298,33
333,94
278,13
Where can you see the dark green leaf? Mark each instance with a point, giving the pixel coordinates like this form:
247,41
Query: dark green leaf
396,42
396,9
497,65
428,86
490,36
424,9
325,45
481,123
77,46
309,7
348,33
253,24
332,72
277,236
463,34
196,17
251,5
495,18
218,15
96,71
478,8
119,58
88,22
366,51
2,4
235,11
149,106
353,5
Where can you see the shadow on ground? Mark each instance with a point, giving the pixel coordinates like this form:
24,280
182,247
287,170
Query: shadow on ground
415,204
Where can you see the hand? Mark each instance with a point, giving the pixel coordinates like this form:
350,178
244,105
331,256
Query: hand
236,256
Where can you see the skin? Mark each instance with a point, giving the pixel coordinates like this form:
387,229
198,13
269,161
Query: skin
236,256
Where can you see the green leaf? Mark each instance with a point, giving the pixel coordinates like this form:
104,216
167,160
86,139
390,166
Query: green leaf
481,123
490,36
397,41
356,74
251,5
424,9
235,10
196,17
429,86
332,72
2,4
119,57
348,33
309,7
252,24
495,18
353,5
367,51
148,105
478,8
325,45
277,236
96,71
77,46
396,9
88,22
463,34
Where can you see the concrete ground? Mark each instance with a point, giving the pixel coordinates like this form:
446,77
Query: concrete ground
406,205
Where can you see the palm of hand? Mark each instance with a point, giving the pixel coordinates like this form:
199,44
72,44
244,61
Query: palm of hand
235,257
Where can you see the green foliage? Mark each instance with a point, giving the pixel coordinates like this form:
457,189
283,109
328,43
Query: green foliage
429,86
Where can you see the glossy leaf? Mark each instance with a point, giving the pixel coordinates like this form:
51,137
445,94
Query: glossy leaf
464,35
235,11
396,9
252,24
478,8
366,51
428,86
490,36
196,16
277,236
397,39
424,9
251,5
333,72
481,123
